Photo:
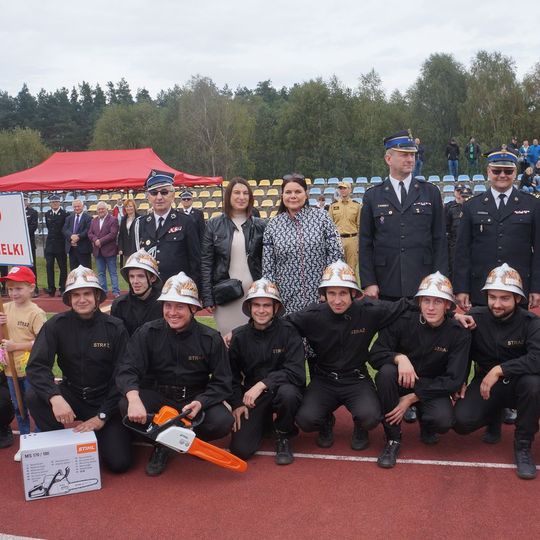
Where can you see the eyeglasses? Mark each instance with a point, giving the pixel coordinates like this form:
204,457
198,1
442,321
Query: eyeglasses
164,192
497,172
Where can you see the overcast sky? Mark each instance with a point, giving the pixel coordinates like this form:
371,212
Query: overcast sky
157,44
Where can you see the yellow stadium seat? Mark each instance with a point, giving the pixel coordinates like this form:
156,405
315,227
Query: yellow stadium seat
272,192
264,214
215,214
104,197
116,196
278,182
256,202
258,193
264,182
225,183
216,194
144,206
205,194
220,204
308,181
140,197
206,216
252,183
210,204
92,208
267,203
273,213
197,204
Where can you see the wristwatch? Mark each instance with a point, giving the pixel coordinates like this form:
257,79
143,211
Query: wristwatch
102,416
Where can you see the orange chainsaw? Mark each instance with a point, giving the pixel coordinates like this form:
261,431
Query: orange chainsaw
175,431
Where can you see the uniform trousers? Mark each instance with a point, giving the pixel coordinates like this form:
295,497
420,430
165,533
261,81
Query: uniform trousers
435,415
521,393
324,395
284,402
350,247
61,260
6,407
114,440
217,423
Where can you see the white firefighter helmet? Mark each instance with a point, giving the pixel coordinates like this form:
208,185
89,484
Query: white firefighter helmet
180,288
81,278
262,288
338,274
504,278
143,260
438,286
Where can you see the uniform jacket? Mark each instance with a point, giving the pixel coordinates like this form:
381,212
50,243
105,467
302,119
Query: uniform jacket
134,312
84,245
453,212
87,352
341,342
198,218
55,243
400,246
106,235
346,216
216,252
488,238
274,356
176,248
195,358
440,355
32,220
513,343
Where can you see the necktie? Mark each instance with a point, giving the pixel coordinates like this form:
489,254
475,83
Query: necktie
403,192
502,202
160,225
76,224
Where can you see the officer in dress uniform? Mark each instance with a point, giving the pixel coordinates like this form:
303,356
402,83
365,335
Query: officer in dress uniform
32,220
453,212
55,249
402,237
186,198
168,235
501,225
345,213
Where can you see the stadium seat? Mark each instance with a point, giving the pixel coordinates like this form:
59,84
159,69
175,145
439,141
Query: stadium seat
206,216
197,204
224,184
267,203
273,213
45,231
277,182
478,178
204,194
264,182
272,192
319,182
252,183
216,194
347,179
263,214
315,191
215,214
312,202
69,208
359,189
420,177
210,204
138,197
93,207
358,199
448,178
45,209
81,198
258,192
333,181
35,200
115,197
449,198
463,178
479,188
328,201
448,189
69,198
308,181
104,197
376,180
434,178
330,190
362,180
37,208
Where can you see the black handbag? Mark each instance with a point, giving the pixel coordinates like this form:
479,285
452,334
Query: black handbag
227,291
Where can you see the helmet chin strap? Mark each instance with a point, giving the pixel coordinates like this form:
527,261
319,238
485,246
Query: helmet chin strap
148,283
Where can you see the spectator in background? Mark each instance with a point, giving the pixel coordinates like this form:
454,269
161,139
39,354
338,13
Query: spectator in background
186,198
472,153
119,211
32,220
125,233
453,212
102,233
419,160
231,252
528,182
299,243
55,246
321,203
534,153
75,232
523,157
513,145
452,155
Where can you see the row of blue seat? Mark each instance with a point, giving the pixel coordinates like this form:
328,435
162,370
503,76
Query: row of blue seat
360,190
377,179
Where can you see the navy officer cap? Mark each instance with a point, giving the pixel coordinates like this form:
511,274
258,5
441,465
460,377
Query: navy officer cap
53,198
501,156
186,194
157,179
402,141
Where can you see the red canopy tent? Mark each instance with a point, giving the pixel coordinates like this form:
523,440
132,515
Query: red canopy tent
97,170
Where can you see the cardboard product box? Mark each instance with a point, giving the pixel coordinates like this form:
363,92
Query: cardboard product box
59,463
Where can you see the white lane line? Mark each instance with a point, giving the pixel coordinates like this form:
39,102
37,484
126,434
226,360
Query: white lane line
440,463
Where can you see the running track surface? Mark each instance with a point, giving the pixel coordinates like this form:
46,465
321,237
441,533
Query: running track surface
312,498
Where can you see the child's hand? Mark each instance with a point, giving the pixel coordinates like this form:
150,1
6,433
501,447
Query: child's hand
3,318
8,345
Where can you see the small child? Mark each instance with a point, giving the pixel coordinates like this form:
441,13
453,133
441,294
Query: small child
24,321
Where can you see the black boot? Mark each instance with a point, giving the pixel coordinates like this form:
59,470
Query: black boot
427,436
526,468
389,455
492,435
284,455
509,416
360,438
326,433
158,461
410,415
6,437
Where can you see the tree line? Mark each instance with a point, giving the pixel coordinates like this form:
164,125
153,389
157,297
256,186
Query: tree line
319,127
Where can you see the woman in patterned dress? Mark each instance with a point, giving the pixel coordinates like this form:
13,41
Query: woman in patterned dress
298,244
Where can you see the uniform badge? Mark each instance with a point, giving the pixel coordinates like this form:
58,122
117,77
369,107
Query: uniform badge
390,212
174,229
148,242
173,216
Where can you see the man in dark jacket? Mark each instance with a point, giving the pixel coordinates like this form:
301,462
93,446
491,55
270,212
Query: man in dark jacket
186,198
454,211
87,344
167,234
179,362
32,221
422,359
402,237
75,232
452,155
267,361
6,414
140,304
506,353
55,249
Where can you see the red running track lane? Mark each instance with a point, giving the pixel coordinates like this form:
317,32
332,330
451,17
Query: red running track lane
311,498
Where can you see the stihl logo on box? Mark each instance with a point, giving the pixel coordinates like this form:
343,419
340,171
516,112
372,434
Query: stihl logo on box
86,448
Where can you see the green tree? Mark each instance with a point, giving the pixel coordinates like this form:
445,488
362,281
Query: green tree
8,111
531,96
21,148
26,106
